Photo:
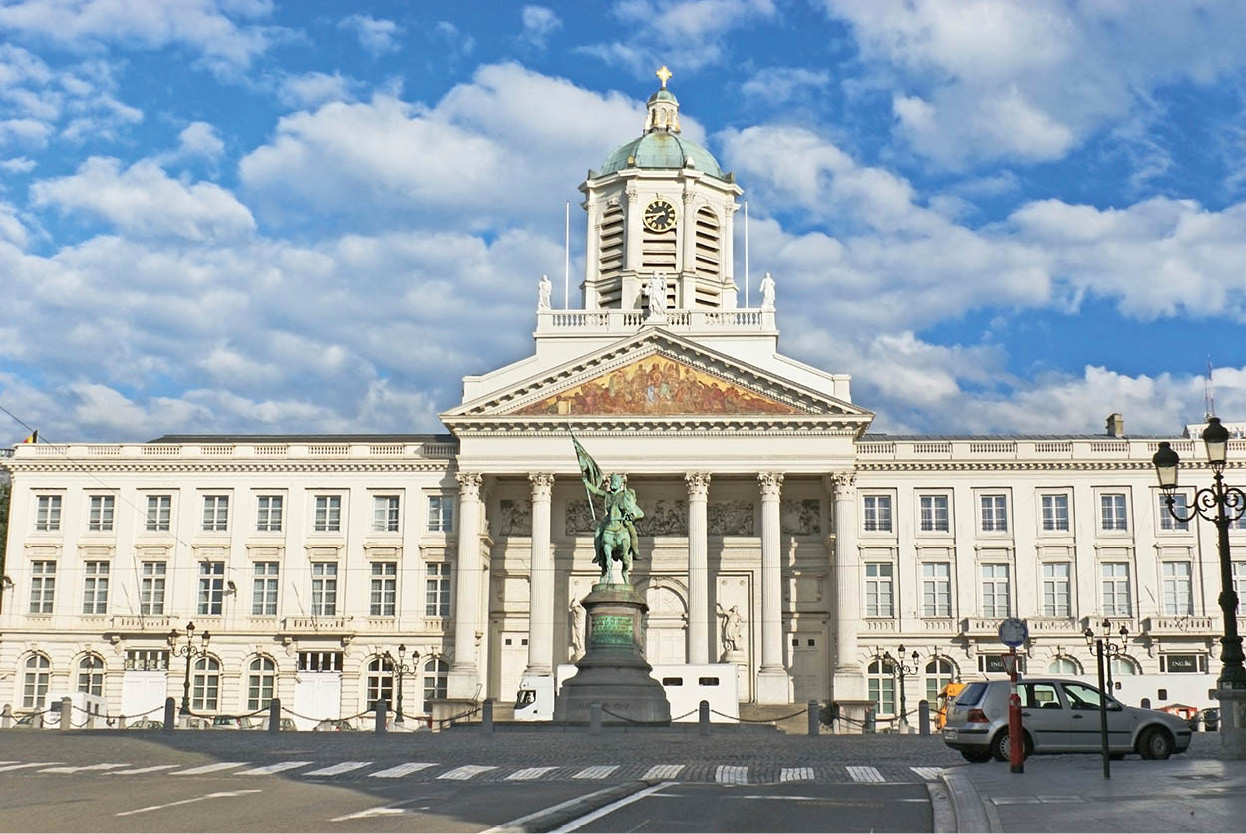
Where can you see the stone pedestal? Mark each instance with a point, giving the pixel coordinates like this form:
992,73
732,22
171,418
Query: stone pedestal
447,710
851,715
1232,722
613,671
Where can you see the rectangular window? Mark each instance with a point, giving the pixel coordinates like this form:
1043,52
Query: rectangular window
996,596
878,589
1179,506
437,590
1178,592
877,513
100,517
159,509
264,589
440,514
994,513
268,513
384,589
215,513
95,588
1239,582
1055,513
936,589
1056,600
151,588
211,587
1112,511
934,514
328,514
48,513
385,514
1116,602
324,589
42,587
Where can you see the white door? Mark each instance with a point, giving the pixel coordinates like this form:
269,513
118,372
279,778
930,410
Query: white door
143,694
317,695
808,666
512,660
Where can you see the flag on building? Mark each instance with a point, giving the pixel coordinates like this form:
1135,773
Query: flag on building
33,438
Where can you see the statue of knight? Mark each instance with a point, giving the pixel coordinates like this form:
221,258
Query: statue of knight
614,539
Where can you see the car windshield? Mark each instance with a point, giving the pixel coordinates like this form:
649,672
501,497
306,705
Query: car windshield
972,694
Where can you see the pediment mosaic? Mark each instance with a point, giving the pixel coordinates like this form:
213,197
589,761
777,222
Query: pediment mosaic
657,385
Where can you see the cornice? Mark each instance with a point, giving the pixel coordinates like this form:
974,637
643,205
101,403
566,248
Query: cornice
1004,466
227,466
828,425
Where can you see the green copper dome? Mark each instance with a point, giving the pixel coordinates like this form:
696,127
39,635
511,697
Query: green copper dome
661,149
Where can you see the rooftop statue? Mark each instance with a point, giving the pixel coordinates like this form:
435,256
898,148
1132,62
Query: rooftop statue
614,539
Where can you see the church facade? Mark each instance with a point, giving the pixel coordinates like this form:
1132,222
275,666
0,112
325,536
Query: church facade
779,535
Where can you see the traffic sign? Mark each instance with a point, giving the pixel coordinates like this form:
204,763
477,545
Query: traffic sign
1013,632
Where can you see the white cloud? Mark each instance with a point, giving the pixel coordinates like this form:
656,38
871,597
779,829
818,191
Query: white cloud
776,85
200,139
450,33
539,23
143,201
376,36
18,165
313,89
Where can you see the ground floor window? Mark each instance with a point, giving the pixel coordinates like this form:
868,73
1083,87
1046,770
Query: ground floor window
205,685
436,679
35,681
881,682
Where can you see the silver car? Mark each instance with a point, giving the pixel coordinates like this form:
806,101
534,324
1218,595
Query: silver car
1057,716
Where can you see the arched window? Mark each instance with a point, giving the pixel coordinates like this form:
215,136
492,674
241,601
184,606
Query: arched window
881,681
1123,666
939,673
1063,666
91,674
261,680
436,677
205,685
380,682
35,682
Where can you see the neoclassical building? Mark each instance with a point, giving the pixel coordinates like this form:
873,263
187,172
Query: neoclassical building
311,560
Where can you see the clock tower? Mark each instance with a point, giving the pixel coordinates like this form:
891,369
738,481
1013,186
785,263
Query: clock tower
660,204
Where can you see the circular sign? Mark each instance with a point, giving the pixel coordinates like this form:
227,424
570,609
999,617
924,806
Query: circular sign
1013,632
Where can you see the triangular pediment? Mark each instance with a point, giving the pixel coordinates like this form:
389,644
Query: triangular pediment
656,374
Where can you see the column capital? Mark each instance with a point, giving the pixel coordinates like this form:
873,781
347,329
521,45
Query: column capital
542,485
842,484
469,484
771,483
698,485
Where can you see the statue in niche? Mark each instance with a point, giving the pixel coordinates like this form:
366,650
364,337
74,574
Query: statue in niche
732,629
576,649
544,290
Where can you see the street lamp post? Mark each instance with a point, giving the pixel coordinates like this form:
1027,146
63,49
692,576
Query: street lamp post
401,670
1110,649
899,667
188,650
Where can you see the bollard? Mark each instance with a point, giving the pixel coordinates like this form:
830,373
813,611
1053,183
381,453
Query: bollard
594,719
923,717
91,713
486,716
274,715
869,725
814,721
6,717
703,718
120,722
381,706
67,713
168,714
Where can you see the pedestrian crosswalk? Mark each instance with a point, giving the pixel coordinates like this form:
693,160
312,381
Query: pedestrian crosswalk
725,774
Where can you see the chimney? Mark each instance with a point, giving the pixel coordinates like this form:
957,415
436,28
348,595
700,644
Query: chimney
1116,425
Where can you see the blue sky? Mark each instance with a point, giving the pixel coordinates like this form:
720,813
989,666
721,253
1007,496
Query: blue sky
274,217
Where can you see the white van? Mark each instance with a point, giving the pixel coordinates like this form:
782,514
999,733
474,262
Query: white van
686,686
83,703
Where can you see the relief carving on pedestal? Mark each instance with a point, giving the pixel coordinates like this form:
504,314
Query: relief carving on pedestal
730,518
801,516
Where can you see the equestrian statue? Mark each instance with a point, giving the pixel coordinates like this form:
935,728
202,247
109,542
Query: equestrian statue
614,538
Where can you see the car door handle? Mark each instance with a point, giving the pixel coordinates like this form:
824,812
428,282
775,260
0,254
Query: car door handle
1026,713
1077,717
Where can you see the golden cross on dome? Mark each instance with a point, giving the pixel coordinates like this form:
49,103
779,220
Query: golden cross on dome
665,75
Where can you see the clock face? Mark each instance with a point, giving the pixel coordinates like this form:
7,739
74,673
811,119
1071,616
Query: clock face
659,216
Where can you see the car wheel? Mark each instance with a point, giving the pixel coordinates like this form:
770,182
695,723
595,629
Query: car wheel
1001,747
1155,744
976,756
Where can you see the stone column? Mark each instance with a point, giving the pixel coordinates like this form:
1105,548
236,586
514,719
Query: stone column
848,682
698,568
772,680
541,581
464,675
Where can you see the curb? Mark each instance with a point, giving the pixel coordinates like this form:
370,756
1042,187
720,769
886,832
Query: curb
969,813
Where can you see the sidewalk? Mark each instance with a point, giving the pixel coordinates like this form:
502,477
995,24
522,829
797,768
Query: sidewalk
1069,793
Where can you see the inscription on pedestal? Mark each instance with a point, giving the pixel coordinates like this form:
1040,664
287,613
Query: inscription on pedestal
611,630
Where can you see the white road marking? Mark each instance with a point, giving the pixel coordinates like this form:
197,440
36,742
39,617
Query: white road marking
381,811
334,770
217,795
132,771
401,770
79,768
611,808
668,771
862,773
930,774
212,768
529,773
796,774
596,772
272,768
732,775
27,764
466,772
